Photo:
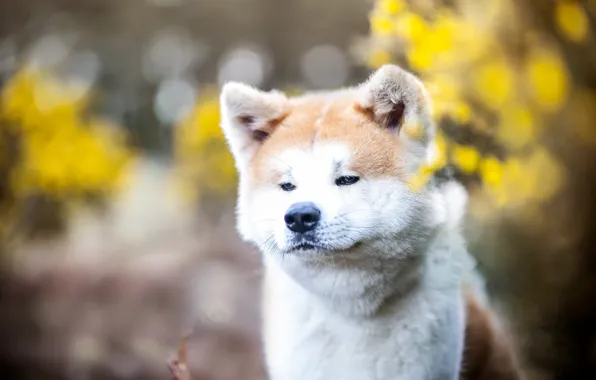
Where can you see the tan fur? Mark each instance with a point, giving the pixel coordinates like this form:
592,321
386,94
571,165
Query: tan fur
376,150
487,354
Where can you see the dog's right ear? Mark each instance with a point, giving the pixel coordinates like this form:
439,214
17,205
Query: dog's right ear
248,117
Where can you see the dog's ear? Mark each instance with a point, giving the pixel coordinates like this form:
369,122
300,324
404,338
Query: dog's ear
248,117
394,98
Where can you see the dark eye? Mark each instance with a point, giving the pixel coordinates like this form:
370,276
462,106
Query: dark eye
346,180
286,186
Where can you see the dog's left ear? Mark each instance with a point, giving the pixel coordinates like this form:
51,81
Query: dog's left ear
248,117
394,98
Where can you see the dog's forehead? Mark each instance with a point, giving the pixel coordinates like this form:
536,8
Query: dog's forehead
323,157
322,133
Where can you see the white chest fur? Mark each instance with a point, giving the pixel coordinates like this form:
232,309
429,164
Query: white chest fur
417,336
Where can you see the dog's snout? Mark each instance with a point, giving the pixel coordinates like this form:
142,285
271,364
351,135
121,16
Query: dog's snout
302,217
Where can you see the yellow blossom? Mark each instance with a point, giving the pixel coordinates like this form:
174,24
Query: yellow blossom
571,19
479,78
445,92
473,42
201,151
442,37
517,127
547,79
62,153
461,112
411,27
420,58
532,178
494,82
381,25
391,7
465,157
491,170
443,88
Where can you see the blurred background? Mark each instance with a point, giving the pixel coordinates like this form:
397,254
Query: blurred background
117,190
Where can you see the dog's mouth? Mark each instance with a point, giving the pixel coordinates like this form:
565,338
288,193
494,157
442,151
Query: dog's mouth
305,246
312,246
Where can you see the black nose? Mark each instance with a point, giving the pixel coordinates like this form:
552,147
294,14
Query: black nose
302,217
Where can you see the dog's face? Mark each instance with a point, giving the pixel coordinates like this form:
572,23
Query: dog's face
328,173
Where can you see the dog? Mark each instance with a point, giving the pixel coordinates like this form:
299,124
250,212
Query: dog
365,277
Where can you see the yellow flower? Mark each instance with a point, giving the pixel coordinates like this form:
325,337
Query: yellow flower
381,25
465,157
517,127
411,27
494,83
391,7
442,37
473,42
62,154
491,171
461,112
420,58
201,151
443,88
547,77
199,128
572,21
530,179
445,92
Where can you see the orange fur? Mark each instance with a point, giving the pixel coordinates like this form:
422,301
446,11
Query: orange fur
311,120
487,354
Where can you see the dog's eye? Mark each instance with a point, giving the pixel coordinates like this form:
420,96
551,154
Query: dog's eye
286,186
346,180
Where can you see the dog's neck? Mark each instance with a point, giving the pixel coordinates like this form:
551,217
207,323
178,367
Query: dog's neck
356,288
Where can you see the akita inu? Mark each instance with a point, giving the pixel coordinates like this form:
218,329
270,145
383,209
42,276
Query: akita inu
365,278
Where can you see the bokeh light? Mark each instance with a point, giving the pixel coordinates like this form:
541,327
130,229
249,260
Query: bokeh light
174,100
247,64
325,66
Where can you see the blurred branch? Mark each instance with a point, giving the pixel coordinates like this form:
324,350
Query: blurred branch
179,365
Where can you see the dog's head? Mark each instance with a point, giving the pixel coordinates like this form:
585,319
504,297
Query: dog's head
328,172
